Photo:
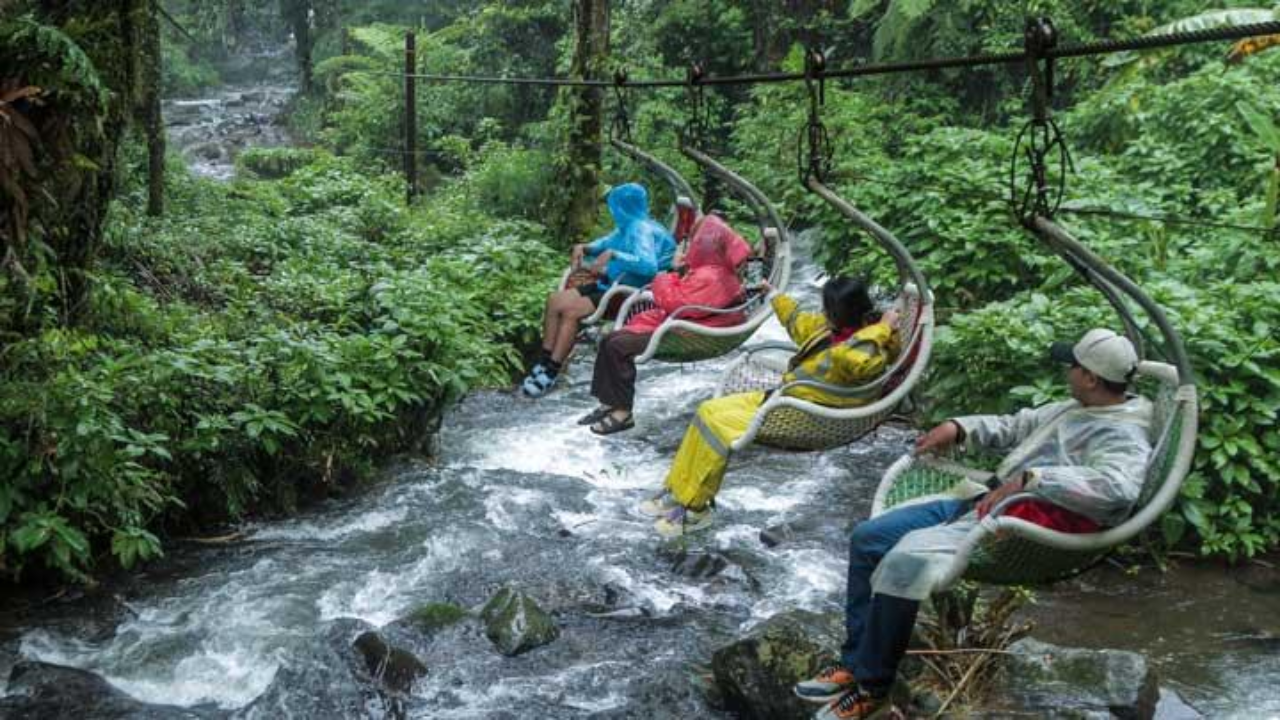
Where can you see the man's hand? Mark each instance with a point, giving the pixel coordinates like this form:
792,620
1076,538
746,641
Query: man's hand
993,498
575,256
602,262
764,287
939,438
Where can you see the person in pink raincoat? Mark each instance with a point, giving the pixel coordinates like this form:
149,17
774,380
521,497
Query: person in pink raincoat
715,254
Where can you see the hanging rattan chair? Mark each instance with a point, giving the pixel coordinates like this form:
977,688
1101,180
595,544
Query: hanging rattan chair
788,422
1010,551
684,210
681,339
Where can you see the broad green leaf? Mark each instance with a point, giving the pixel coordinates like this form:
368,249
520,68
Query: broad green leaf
1261,124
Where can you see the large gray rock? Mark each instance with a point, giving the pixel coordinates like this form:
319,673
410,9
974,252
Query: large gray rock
515,624
755,674
41,690
1043,680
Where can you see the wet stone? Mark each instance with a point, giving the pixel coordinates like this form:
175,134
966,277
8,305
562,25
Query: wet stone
325,677
1039,679
515,624
396,668
755,674
699,565
433,617
42,690
777,535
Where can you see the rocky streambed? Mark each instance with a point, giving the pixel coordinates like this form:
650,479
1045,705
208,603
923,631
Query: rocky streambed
511,578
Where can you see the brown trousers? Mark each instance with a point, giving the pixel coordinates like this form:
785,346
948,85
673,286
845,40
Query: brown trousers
614,380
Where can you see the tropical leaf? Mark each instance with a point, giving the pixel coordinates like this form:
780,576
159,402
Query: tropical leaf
861,8
1262,125
1195,23
897,24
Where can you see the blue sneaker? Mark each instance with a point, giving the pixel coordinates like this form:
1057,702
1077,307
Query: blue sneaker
538,382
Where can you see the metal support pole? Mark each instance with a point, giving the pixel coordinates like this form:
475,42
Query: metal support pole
411,114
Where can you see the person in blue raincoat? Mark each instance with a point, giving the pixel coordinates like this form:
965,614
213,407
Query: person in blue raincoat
637,249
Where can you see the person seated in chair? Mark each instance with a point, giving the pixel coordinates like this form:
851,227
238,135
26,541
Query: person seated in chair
631,255
844,345
1081,462
715,254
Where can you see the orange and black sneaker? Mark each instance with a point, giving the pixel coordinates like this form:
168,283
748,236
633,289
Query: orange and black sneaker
830,683
855,704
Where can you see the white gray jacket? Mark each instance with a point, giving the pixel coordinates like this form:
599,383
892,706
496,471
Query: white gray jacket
1091,460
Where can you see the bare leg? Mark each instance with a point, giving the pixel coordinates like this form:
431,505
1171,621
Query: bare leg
551,320
567,333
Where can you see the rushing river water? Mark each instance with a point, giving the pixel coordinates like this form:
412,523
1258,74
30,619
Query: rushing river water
522,495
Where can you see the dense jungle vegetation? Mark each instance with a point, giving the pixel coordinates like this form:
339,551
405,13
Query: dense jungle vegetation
274,338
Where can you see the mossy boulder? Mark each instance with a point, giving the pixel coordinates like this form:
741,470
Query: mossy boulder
755,674
434,617
515,624
1043,680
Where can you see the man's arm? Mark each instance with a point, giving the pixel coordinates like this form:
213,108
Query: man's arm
640,259
1003,432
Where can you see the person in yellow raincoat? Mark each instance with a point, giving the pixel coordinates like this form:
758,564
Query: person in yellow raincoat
840,346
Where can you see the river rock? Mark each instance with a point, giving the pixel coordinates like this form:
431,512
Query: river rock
433,617
698,565
326,677
776,535
42,690
1043,680
755,674
394,667
515,624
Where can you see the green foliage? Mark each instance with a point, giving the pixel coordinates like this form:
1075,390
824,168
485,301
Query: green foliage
52,60
317,324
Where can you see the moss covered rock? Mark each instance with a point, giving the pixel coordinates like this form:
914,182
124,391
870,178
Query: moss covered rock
1051,681
515,624
433,617
755,674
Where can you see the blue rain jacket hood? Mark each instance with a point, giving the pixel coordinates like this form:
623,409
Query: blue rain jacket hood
641,246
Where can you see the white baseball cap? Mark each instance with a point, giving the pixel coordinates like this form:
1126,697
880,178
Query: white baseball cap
1102,352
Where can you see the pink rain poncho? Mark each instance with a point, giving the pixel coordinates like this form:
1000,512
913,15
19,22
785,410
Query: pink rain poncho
715,254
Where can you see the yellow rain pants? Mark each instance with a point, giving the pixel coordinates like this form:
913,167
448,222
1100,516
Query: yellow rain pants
696,473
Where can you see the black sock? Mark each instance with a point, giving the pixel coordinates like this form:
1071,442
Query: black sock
544,359
553,367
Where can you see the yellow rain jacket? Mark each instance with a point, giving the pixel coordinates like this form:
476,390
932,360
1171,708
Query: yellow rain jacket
700,463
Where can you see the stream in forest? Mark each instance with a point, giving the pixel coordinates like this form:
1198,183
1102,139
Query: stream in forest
521,495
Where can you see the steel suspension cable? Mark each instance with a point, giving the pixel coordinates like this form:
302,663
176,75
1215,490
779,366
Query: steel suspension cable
1102,47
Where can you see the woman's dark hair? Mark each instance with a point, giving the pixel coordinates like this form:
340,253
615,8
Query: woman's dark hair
846,301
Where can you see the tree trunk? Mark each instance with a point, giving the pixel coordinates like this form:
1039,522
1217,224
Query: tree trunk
580,166
77,162
297,15
152,117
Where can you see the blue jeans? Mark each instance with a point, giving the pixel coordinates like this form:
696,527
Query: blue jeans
878,627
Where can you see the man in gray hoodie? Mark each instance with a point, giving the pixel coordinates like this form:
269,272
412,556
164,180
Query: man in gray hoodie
1082,459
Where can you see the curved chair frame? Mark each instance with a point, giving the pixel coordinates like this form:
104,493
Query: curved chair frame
793,423
1007,550
685,201
679,339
